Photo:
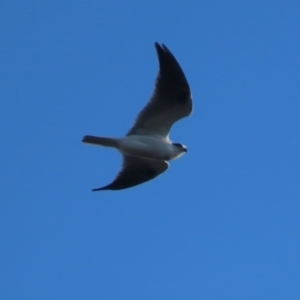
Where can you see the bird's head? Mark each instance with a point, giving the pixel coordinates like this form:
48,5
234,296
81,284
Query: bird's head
181,149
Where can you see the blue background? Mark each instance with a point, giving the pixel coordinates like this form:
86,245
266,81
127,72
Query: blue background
221,223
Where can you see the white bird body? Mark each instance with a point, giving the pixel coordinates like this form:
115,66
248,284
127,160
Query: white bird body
150,147
143,146
146,148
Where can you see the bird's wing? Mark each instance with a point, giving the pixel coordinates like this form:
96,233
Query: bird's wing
136,171
171,101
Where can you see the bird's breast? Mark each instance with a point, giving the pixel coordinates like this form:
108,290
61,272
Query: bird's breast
146,147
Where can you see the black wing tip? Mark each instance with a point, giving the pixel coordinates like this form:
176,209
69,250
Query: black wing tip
164,53
115,187
110,187
100,189
161,47
157,45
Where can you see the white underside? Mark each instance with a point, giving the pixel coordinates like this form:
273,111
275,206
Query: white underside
149,147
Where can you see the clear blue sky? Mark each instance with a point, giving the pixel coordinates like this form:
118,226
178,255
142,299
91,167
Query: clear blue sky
222,223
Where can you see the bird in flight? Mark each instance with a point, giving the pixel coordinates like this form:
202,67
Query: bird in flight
146,148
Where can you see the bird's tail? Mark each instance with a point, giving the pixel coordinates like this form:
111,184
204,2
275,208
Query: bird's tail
102,141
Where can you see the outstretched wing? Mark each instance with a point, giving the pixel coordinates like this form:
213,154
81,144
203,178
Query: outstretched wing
136,171
171,101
